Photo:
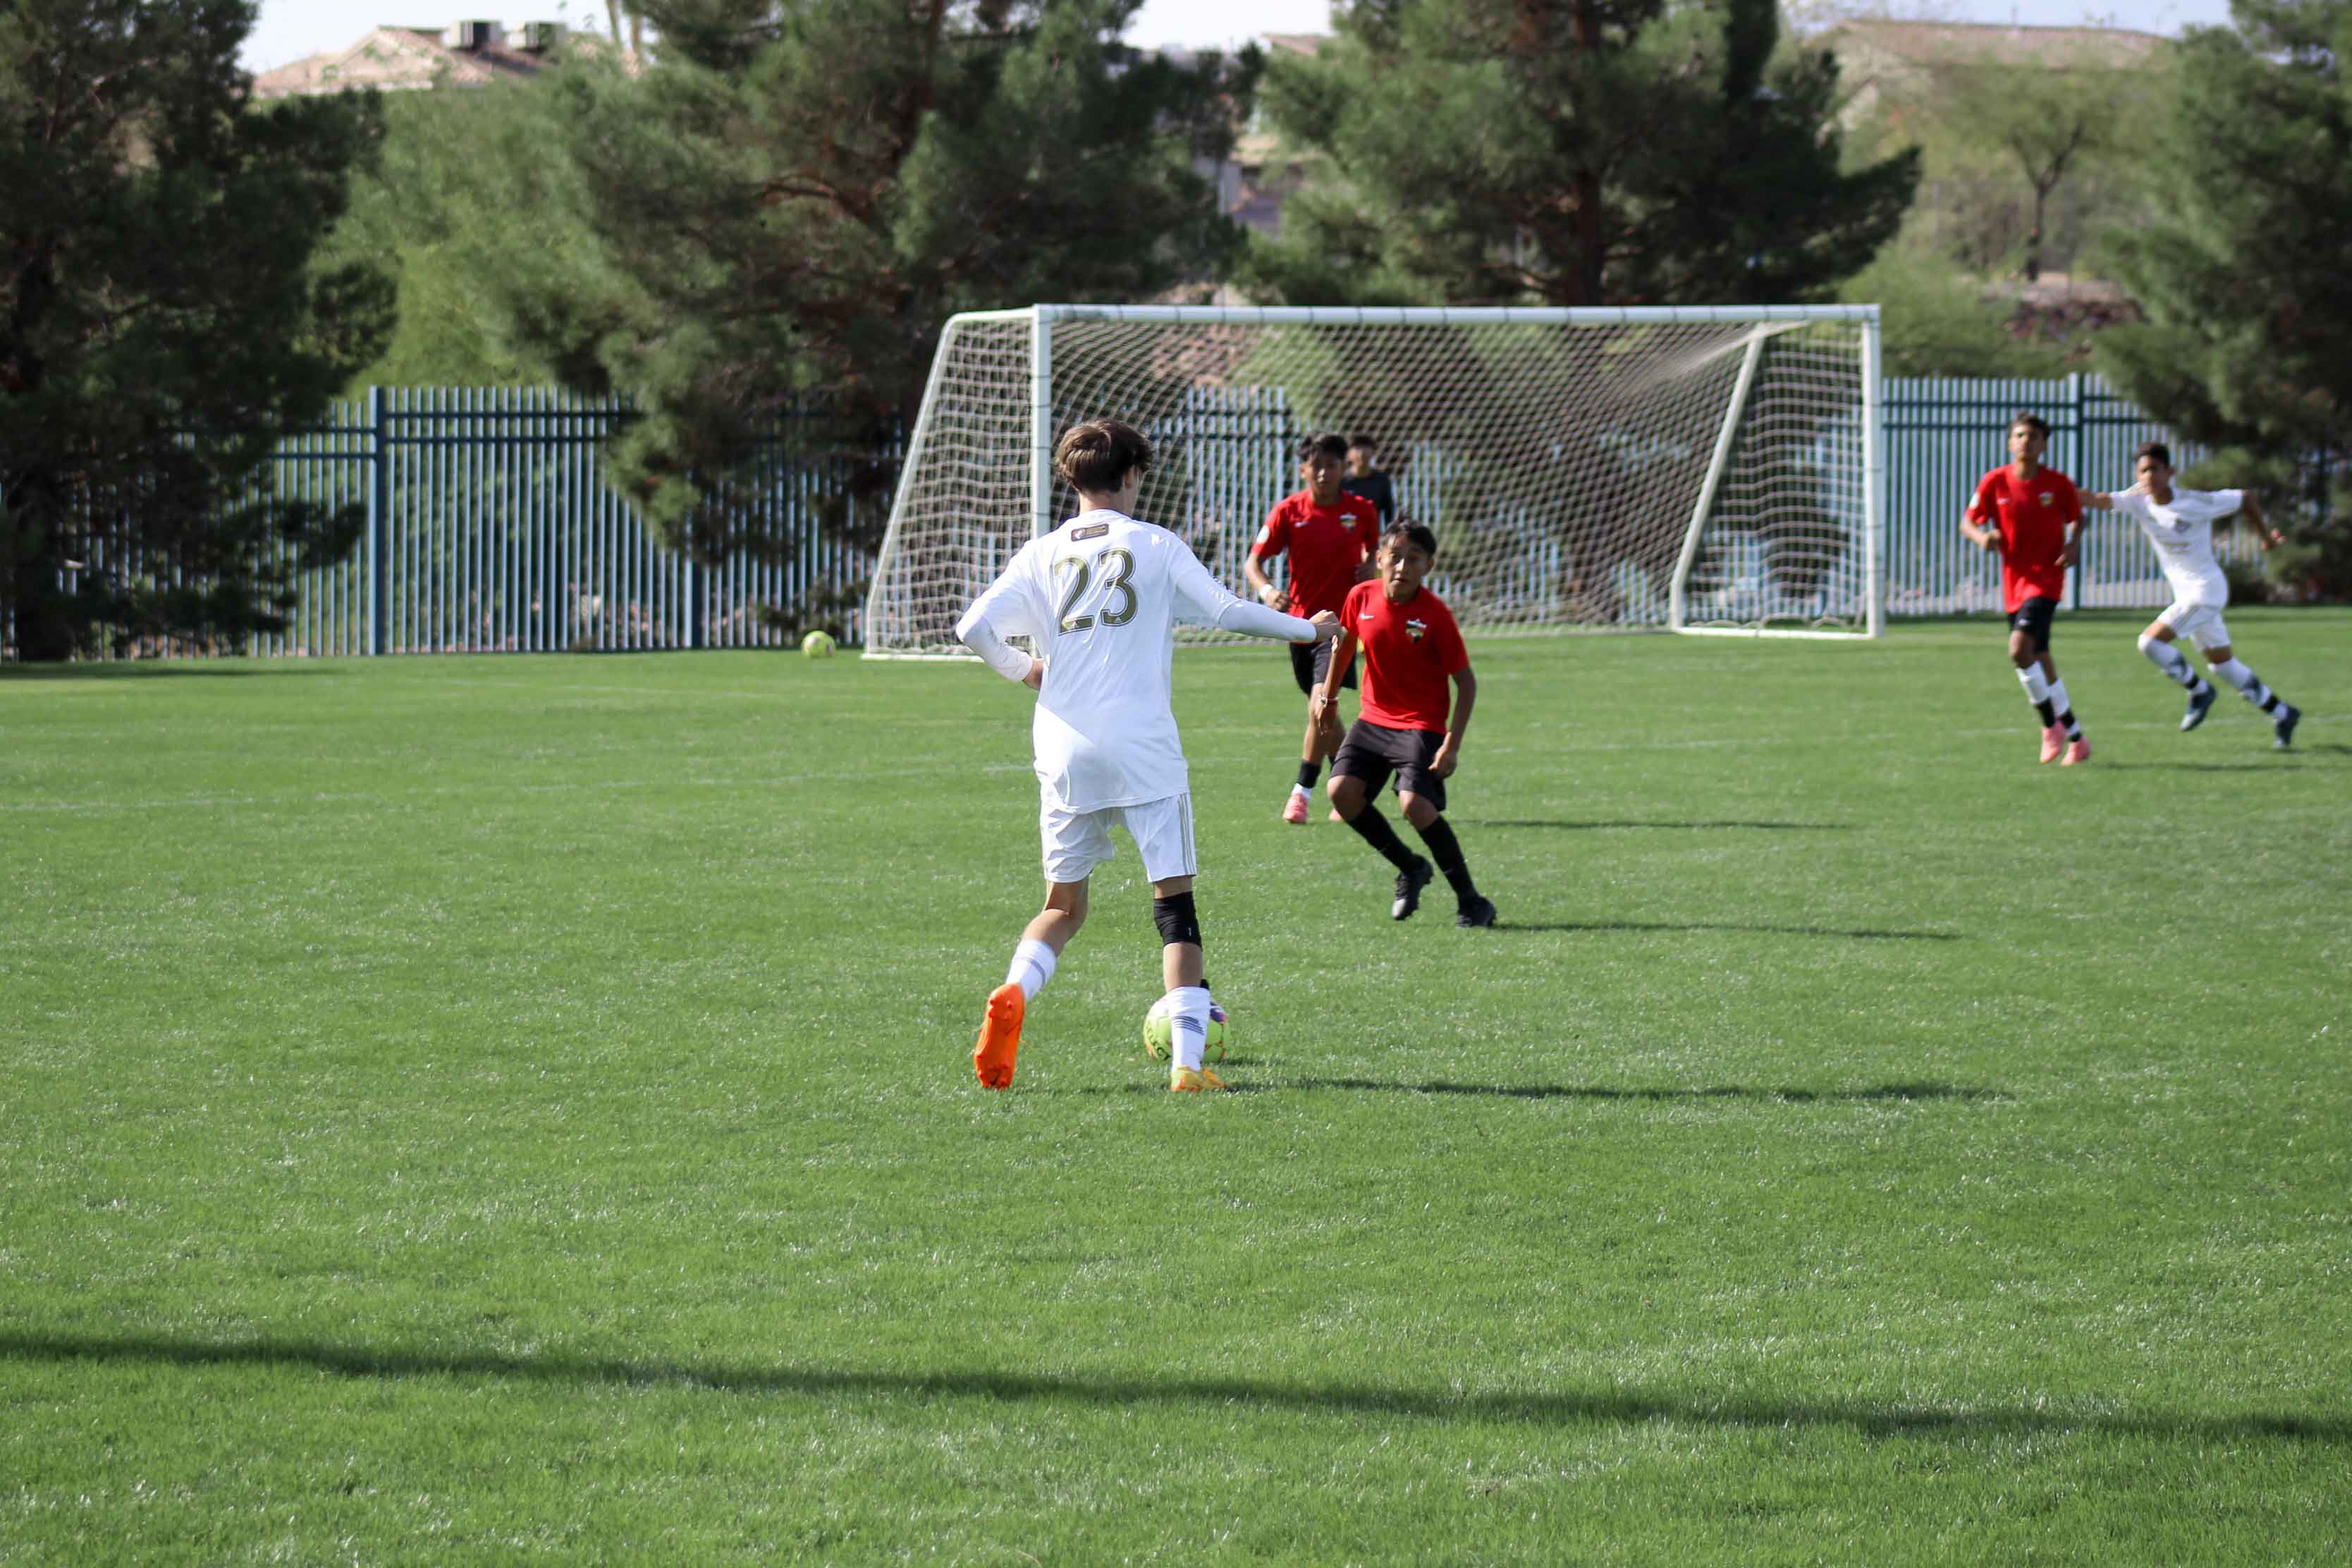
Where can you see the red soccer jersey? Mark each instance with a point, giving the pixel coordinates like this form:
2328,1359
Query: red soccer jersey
2030,516
1326,543
1411,650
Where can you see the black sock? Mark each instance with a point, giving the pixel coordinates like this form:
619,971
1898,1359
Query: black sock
2073,728
1447,851
1308,773
2048,714
2273,704
1381,836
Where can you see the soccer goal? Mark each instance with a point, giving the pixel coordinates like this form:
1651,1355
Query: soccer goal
1697,469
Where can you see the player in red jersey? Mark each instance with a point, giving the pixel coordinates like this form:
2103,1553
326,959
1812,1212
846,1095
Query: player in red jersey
1332,537
2030,516
1411,649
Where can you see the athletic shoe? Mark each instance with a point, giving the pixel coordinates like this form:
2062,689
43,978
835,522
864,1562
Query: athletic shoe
2282,727
2079,752
1476,912
1294,808
2199,704
1000,1036
2053,743
1409,884
1186,1081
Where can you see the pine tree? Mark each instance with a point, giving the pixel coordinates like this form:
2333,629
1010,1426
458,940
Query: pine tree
797,192
1569,152
2248,343
162,321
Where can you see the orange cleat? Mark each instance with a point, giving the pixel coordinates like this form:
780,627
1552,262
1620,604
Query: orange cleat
1186,1081
2080,751
2053,743
1000,1036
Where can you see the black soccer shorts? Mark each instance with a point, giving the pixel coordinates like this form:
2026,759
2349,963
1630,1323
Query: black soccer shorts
1372,751
2032,619
1311,661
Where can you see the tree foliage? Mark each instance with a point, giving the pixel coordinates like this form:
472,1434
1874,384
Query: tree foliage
1569,152
2248,343
797,192
161,321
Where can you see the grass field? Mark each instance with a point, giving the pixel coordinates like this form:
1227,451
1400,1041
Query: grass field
513,1108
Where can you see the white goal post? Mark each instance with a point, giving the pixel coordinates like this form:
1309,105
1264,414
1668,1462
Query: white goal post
1697,469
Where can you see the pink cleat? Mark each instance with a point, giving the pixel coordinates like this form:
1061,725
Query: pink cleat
2080,751
2053,743
1293,810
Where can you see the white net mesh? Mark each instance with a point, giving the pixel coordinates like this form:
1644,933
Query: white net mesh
1560,457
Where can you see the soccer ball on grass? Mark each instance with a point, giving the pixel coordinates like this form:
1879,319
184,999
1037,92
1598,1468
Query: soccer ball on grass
1159,1024
817,645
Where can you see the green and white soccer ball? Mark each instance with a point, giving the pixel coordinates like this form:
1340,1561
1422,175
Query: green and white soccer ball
1160,1025
817,645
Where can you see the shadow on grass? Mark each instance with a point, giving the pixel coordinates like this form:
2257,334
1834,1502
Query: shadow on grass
1884,1091
154,669
1540,1408
1717,925
1584,826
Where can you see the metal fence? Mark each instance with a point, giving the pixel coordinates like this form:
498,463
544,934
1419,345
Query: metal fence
489,526
490,529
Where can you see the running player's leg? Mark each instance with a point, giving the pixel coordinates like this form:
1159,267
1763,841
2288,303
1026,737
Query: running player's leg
2205,627
1162,830
1423,794
2029,651
1367,758
1075,844
2156,645
1308,662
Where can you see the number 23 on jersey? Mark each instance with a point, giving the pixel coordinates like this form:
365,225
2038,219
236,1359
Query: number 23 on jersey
1108,571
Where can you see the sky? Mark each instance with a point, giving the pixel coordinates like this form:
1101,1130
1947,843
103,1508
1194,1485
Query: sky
289,29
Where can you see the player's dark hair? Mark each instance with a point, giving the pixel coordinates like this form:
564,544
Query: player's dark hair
1416,532
2032,421
1327,445
1097,455
2157,449
1365,442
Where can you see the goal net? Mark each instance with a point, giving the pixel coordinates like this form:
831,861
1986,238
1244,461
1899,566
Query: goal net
1697,468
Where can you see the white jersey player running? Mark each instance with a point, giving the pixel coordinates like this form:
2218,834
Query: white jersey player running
1099,598
2180,523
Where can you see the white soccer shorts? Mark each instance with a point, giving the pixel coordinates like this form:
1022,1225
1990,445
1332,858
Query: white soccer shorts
2198,620
1078,841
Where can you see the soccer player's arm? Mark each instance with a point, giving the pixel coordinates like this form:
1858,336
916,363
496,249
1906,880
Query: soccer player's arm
1203,601
1269,544
1367,537
1976,521
1466,697
2074,554
2251,510
996,614
1326,698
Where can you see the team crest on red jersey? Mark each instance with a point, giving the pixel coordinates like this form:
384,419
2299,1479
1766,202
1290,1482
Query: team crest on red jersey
1416,630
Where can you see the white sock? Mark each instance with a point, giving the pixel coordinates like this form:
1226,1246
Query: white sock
1033,965
2250,685
2064,710
2168,658
1189,1031
2037,690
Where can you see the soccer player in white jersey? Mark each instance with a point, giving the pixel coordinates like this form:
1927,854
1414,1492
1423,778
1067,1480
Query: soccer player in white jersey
2180,523
1099,598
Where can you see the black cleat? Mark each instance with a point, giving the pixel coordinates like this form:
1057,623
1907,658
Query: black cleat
1474,913
2282,727
2199,704
1409,884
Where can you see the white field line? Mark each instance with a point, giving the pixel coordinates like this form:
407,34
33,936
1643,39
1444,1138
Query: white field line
856,775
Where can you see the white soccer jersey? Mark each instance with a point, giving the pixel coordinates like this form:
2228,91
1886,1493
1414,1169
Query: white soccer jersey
1099,598
2182,531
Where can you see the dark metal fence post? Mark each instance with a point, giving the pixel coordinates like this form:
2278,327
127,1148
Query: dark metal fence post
378,523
